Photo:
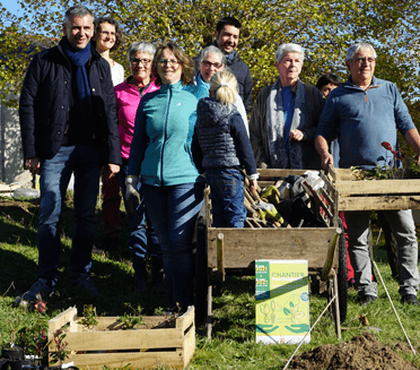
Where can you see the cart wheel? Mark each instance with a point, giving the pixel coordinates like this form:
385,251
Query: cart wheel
201,275
342,274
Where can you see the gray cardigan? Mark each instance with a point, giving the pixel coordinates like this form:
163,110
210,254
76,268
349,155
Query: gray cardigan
314,103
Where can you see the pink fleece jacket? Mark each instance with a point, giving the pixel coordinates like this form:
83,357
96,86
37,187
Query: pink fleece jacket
128,99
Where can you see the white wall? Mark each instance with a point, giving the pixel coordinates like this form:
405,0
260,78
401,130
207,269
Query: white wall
11,155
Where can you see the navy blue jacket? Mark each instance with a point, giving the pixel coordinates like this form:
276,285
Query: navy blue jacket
220,138
45,100
242,73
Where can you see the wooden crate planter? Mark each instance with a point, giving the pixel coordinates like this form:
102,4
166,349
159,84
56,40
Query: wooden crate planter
108,345
379,195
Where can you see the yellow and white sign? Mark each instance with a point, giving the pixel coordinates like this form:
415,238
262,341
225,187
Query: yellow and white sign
282,310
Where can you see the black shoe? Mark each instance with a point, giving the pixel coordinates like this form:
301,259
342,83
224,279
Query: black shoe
85,284
40,289
410,299
364,300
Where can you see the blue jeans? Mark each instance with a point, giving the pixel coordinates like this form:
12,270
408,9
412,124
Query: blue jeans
141,239
404,231
173,211
85,162
227,195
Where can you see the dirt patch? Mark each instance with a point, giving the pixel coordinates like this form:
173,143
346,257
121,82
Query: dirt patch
361,353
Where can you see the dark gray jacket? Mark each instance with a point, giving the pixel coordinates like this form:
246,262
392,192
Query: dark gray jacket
45,99
314,104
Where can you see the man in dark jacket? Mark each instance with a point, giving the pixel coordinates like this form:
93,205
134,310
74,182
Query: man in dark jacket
227,34
68,124
285,116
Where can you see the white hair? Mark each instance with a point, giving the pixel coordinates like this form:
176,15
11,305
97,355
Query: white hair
211,49
354,49
141,47
289,48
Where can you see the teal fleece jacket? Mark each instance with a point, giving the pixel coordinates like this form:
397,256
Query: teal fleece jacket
161,148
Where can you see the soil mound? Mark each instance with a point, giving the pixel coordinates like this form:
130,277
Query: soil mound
361,353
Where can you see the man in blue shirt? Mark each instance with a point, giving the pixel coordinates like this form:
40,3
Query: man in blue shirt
364,112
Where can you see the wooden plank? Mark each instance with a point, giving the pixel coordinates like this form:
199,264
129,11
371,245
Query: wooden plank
266,183
67,316
9,188
111,323
186,320
123,339
333,173
189,343
248,223
317,200
379,203
220,255
340,174
326,195
137,360
279,172
408,186
207,205
243,246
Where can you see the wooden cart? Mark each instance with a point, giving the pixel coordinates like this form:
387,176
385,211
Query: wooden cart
373,195
221,251
376,195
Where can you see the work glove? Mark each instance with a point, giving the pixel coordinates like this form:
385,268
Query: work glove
132,196
267,210
272,194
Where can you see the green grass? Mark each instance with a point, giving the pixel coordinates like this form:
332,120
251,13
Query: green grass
233,341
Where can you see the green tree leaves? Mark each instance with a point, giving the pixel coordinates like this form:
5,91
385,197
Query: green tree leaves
325,29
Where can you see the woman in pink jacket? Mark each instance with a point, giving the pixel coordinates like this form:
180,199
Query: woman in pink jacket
141,240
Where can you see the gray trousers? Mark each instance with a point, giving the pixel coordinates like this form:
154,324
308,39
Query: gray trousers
404,231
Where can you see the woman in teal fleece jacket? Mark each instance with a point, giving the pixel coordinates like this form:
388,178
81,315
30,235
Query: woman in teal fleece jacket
161,156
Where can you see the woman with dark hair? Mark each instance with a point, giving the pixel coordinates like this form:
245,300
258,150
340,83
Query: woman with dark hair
161,155
108,38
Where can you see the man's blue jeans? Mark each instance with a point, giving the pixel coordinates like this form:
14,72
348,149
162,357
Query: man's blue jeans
173,211
85,162
227,195
141,239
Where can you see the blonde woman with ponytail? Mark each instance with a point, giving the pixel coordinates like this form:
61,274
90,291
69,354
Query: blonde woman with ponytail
222,150
224,87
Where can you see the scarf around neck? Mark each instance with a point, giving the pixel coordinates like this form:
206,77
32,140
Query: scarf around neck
78,60
275,127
